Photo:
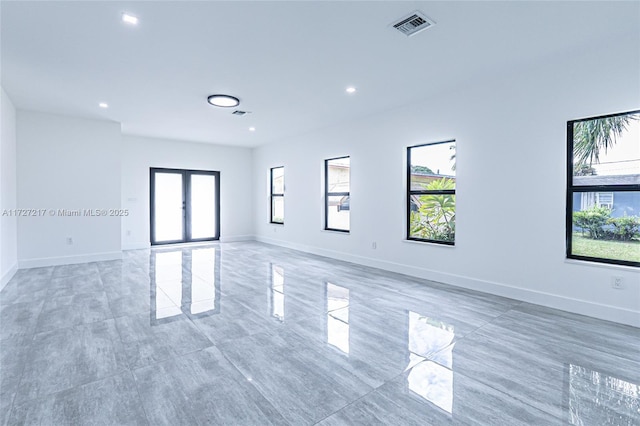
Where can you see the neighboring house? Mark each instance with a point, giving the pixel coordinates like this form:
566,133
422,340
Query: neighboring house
620,203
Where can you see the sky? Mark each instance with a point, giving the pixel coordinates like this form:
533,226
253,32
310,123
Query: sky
436,157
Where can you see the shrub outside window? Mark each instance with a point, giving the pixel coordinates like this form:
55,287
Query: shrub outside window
431,192
603,189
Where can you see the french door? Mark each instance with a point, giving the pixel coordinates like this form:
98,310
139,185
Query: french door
185,206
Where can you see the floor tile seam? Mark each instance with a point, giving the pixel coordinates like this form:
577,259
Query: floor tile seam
174,354
36,333
251,383
76,386
501,392
489,322
137,388
375,388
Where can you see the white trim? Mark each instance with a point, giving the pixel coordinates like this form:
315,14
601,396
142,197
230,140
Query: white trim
68,260
583,307
236,238
136,246
601,265
8,275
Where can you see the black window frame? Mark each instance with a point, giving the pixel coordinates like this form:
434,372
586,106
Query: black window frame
186,206
424,192
275,195
572,189
328,194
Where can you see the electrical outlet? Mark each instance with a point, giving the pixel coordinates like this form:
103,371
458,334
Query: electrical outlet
69,240
374,245
616,282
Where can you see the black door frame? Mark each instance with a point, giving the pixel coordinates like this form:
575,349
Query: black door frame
186,204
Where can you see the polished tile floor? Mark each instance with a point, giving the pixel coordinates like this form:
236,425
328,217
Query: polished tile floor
252,334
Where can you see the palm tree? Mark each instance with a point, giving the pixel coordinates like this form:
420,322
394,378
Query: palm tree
590,136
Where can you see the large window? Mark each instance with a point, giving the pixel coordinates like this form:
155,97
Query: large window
431,192
603,189
277,195
337,203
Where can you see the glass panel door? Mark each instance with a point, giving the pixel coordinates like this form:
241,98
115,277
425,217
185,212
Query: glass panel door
185,206
168,206
203,206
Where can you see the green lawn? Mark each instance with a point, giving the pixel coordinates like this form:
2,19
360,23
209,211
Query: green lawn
620,250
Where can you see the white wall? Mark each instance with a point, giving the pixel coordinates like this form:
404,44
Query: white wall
511,150
8,223
67,163
234,164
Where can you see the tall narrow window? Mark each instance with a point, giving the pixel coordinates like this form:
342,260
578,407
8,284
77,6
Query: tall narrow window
277,195
603,189
337,203
431,192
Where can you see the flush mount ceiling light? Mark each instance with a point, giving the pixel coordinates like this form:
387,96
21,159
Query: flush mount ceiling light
103,105
129,19
351,90
224,101
252,129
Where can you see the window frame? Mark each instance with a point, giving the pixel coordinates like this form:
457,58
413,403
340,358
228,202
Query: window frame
424,192
274,195
328,194
573,189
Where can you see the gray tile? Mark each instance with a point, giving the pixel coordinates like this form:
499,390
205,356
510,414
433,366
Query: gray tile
68,311
110,401
76,284
24,289
394,350
436,395
69,357
75,269
149,340
202,388
295,383
19,319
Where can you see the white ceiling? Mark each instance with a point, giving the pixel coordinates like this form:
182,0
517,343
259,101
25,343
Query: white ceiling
288,62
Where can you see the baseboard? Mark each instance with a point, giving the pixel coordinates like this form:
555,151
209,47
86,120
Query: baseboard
136,246
236,238
8,275
67,260
583,307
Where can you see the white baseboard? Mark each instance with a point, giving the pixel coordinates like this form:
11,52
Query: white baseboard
68,260
583,307
8,275
236,238
136,246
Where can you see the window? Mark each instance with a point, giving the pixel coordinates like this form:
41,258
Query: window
431,192
277,195
337,200
603,189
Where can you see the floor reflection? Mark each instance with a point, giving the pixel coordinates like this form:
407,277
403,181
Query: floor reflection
431,360
184,281
597,398
276,293
337,307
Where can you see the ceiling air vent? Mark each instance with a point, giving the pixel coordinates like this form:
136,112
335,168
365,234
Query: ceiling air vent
413,24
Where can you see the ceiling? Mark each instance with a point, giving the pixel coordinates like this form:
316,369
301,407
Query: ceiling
288,62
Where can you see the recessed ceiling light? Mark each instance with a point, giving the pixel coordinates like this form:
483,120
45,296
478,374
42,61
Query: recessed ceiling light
351,90
103,105
129,19
252,129
224,101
